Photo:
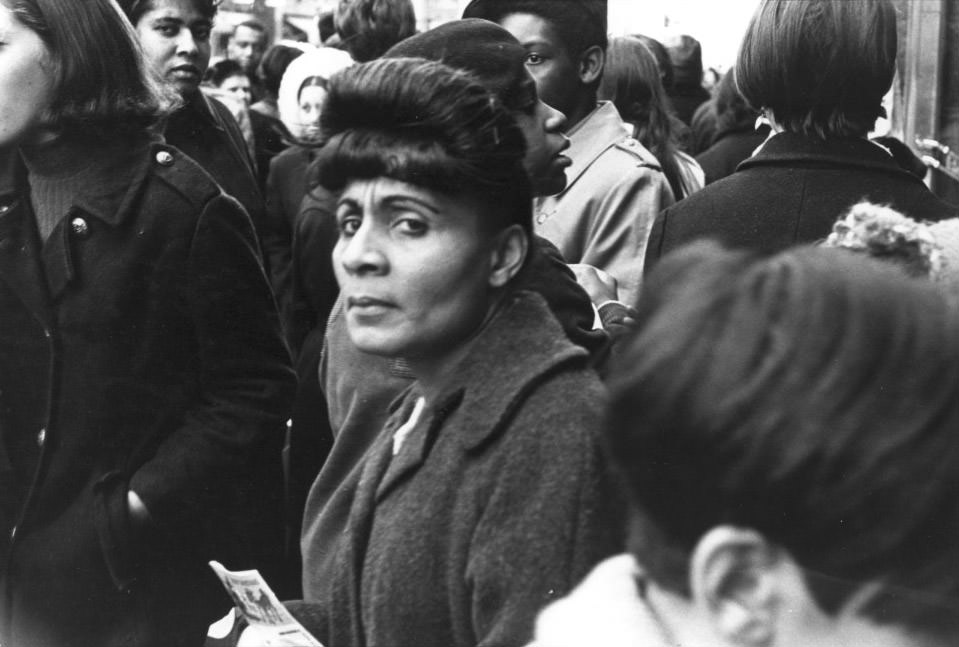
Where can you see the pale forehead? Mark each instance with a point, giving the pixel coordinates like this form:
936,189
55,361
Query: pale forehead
248,34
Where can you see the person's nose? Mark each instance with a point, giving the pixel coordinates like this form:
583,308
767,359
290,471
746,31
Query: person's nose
186,44
555,120
362,253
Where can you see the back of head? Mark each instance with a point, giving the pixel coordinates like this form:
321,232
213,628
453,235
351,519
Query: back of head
424,123
821,66
581,24
662,59
686,55
480,47
631,81
811,397
222,70
733,113
274,64
102,85
367,28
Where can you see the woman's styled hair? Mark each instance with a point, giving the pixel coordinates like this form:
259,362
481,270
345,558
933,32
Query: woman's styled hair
426,124
810,396
101,82
367,28
821,66
632,81
220,71
134,9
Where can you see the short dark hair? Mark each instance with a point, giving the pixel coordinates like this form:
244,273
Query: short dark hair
134,9
222,70
577,22
810,396
821,66
101,81
273,64
367,28
427,124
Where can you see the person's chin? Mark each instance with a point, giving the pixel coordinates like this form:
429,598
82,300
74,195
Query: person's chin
186,89
550,185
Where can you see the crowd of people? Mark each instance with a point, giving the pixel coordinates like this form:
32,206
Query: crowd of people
502,333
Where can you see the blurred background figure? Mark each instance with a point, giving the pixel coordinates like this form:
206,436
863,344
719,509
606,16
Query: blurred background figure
367,28
270,72
265,136
732,134
687,92
246,45
751,424
632,82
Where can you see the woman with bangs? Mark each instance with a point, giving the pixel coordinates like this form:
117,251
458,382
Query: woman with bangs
144,381
484,496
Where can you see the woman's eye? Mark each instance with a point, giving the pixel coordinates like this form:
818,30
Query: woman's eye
349,225
533,59
412,226
169,31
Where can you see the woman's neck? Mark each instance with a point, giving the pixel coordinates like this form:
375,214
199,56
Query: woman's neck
435,372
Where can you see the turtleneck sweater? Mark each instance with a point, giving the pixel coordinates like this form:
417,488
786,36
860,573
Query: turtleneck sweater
62,170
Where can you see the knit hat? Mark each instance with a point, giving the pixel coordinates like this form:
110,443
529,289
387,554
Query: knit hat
594,11
480,47
686,54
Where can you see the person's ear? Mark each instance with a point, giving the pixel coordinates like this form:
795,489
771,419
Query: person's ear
591,64
736,579
509,251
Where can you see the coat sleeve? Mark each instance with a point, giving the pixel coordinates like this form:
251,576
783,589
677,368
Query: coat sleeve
550,517
246,381
620,227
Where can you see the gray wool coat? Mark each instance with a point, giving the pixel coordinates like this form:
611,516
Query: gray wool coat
497,503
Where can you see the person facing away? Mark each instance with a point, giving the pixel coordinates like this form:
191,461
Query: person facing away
632,82
175,37
143,375
483,495
792,474
615,187
819,69
367,28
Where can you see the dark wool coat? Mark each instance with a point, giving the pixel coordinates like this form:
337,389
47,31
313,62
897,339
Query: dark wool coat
139,349
497,503
791,192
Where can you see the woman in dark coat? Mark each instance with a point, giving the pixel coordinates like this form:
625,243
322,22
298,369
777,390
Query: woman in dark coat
819,69
484,496
142,372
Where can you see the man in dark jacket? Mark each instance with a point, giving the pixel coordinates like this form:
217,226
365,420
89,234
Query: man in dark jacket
203,128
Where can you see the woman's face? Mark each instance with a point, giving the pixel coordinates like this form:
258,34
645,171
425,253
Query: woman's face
175,37
238,87
26,84
311,103
413,266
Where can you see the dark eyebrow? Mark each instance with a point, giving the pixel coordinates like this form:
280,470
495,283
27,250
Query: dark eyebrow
393,200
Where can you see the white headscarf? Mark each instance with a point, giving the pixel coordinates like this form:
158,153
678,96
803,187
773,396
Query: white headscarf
323,62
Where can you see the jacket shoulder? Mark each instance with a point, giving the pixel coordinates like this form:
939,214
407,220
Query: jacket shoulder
181,173
629,148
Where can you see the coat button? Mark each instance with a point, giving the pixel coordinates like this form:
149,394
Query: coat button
164,158
540,218
41,437
13,533
4,208
80,227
